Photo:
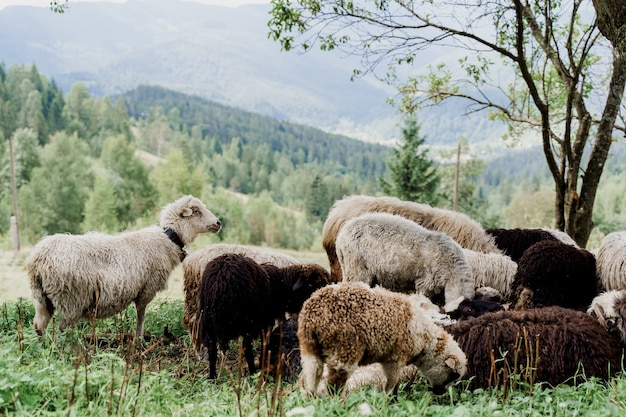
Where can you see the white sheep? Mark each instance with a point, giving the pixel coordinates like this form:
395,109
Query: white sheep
609,308
493,270
196,261
464,230
400,255
611,261
95,275
346,325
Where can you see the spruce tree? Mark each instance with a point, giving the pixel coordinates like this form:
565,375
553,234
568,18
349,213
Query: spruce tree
412,174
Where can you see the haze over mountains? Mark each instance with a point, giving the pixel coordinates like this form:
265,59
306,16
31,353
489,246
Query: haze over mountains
219,53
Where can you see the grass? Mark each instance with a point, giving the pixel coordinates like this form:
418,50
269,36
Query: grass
96,369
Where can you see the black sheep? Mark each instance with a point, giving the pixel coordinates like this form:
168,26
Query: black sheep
514,242
559,343
239,297
556,274
474,308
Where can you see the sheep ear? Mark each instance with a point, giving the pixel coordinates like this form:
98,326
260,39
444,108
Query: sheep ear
298,284
451,362
186,212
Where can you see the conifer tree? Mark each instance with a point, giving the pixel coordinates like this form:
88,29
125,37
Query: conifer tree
412,174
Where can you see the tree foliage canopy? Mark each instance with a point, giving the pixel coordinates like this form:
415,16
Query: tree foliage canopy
561,70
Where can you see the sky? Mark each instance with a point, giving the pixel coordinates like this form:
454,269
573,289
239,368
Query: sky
46,3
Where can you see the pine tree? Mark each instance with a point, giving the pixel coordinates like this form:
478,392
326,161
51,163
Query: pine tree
412,174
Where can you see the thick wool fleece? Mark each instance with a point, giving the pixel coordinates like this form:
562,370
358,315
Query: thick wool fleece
569,343
611,261
464,230
97,275
349,324
400,255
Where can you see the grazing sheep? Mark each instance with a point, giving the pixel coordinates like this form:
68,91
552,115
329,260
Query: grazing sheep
514,242
239,297
350,324
195,263
557,274
400,255
460,227
611,261
96,275
610,309
546,344
492,270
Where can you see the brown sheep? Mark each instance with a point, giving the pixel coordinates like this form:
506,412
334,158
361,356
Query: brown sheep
347,325
559,343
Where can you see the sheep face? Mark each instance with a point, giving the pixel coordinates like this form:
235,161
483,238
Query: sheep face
474,308
311,277
444,365
610,310
188,216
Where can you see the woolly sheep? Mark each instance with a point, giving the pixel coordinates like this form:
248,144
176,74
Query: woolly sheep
97,275
556,274
609,308
555,341
493,270
239,297
195,263
611,261
465,231
400,255
514,242
350,324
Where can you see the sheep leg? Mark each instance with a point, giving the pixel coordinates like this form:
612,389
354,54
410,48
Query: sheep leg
42,317
212,348
312,368
392,372
141,316
249,353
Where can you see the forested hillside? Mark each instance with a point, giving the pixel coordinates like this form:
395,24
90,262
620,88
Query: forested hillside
84,163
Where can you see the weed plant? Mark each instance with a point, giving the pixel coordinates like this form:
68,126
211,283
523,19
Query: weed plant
98,369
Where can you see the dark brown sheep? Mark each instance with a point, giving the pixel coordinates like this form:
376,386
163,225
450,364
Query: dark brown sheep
559,343
514,242
557,274
239,297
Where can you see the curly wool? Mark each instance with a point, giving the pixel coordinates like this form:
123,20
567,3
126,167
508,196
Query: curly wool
611,261
566,339
400,255
557,274
349,324
195,263
97,275
465,231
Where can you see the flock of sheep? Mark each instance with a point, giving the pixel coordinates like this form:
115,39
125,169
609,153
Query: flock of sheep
412,290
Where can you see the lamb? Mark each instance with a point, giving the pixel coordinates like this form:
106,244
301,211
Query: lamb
97,275
239,297
195,263
556,274
611,261
400,255
514,242
493,270
460,227
609,308
350,324
555,341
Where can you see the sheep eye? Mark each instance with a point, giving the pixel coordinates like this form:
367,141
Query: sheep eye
195,211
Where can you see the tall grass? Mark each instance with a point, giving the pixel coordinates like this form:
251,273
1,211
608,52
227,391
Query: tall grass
98,369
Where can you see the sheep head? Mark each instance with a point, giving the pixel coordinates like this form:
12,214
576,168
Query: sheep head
188,217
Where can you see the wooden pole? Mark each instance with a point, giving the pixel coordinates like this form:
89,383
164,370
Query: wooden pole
456,177
14,219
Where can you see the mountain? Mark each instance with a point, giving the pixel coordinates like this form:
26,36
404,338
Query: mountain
222,54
